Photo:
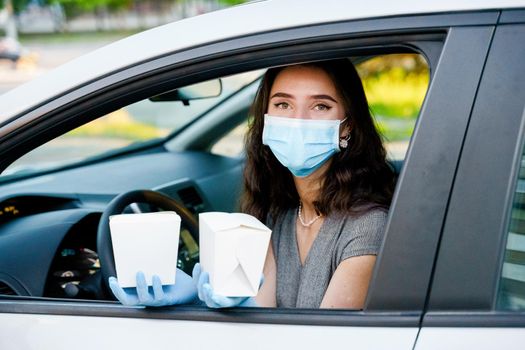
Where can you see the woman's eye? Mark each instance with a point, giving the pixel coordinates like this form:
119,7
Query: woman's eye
322,107
282,105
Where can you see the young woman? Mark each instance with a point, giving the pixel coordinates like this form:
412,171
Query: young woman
316,174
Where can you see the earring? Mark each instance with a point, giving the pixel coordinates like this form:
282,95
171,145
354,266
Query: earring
343,141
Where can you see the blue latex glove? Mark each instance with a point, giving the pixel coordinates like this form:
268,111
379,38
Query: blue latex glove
205,292
182,292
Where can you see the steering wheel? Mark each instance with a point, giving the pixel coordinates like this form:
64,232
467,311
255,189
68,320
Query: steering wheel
117,205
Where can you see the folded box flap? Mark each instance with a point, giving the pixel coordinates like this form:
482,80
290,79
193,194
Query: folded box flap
169,216
220,221
249,221
251,253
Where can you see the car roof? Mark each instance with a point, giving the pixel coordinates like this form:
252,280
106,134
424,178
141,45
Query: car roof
254,17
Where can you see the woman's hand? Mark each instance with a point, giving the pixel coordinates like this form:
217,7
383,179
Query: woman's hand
182,292
201,279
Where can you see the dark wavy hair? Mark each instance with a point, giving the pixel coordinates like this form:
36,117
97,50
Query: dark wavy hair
358,178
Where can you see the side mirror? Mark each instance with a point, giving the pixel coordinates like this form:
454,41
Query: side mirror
207,89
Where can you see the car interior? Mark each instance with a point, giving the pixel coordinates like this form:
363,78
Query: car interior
186,144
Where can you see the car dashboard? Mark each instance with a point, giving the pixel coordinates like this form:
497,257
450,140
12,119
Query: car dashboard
48,223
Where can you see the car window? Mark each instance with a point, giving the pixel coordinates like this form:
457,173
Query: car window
512,284
130,126
395,87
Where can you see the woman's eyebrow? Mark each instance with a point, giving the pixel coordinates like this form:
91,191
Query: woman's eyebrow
315,97
281,94
323,97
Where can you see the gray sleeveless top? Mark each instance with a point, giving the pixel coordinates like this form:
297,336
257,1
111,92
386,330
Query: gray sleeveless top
340,237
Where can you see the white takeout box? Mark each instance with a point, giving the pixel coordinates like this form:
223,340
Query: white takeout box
147,242
233,248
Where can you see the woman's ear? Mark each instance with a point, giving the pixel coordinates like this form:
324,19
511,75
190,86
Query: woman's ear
346,128
345,136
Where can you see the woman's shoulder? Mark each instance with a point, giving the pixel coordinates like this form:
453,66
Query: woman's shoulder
364,215
369,221
361,233
369,216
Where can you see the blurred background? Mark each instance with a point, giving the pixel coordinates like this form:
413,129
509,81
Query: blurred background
38,35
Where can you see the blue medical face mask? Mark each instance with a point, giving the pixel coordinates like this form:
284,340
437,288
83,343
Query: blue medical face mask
301,145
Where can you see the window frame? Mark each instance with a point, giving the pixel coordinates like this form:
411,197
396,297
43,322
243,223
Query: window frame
476,254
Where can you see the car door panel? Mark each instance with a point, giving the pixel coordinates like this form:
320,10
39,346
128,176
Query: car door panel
38,332
57,325
468,269
420,201
457,338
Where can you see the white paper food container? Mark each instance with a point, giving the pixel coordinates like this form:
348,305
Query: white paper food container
145,242
233,249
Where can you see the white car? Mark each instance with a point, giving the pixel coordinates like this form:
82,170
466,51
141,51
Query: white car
451,271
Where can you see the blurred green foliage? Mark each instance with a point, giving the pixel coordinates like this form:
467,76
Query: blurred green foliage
89,5
119,125
85,5
232,2
78,6
395,87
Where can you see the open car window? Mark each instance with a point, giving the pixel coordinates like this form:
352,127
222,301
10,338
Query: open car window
395,85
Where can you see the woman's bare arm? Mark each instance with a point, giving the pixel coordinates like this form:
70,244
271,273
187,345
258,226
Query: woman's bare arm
349,283
266,295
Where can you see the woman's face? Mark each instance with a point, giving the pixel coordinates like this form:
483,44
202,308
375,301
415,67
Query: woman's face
305,92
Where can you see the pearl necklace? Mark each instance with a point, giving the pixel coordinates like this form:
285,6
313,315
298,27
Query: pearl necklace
309,223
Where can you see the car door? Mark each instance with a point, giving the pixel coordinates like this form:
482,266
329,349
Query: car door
398,292
477,295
